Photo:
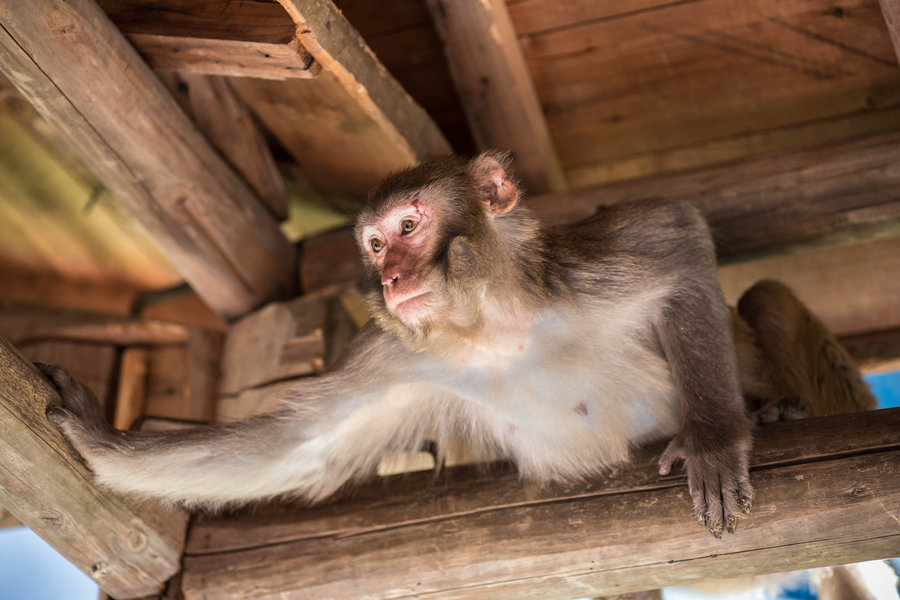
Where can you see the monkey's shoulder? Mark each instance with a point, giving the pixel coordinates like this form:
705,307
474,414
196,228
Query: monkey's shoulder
632,242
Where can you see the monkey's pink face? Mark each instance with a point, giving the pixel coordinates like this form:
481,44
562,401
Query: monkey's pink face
400,243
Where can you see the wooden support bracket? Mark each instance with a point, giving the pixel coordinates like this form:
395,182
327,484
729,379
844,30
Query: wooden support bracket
827,492
130,548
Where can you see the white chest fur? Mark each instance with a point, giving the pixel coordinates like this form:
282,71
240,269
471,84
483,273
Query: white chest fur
577,393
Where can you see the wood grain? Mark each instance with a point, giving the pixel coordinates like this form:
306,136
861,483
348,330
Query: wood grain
241,39
129,548
631,89
495,87
228,123
778,203
489,535
146,151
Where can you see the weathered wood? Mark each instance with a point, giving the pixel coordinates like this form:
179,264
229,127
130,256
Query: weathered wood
403,37
146,151
284,339
489,535
129,548
890,9
637,88
875,352
777,203
353,124
27,323
229,125
495,87
132,394
218,37
845,286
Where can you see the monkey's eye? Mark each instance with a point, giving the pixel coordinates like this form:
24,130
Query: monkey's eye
407,226
376,245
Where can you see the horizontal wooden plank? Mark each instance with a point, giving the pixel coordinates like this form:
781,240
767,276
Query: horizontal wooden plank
146,151
491,535
129,548
242,39
845,286
777,203
686,84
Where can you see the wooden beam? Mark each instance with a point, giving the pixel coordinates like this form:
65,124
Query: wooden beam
845,286
496,89
214,37
777,203
891,11
352,125
84,77
228,123
27,323
489,535
129,548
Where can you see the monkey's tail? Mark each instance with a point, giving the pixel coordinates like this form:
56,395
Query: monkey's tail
801,359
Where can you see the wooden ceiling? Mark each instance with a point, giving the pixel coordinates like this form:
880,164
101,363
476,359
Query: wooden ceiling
331,96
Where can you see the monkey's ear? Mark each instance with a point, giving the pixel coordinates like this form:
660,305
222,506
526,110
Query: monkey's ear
498,192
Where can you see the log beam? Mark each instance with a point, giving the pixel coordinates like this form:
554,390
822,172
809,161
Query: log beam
129,548
489,535
84,77
495,87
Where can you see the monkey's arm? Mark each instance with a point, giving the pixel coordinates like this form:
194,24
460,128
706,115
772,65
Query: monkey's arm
715,437
326,432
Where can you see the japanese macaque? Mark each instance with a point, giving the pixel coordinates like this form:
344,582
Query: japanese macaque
558,348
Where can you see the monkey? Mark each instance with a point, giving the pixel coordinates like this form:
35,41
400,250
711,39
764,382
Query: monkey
558,348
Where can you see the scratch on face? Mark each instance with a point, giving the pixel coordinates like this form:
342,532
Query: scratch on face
581,409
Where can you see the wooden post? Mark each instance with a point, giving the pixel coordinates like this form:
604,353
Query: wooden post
827,492
495,87
130,548
84,77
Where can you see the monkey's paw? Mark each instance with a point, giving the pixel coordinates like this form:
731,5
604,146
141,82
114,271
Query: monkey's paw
718,480
80,418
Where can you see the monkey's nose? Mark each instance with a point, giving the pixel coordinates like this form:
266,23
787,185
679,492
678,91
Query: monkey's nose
389,280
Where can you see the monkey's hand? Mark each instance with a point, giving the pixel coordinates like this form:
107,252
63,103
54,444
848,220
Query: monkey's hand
80,418
717,476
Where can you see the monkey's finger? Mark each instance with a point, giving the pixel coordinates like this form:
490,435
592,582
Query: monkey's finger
672,455
715,515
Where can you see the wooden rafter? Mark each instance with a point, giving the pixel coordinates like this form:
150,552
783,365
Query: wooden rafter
353,124
495,87
129,548
85,78
493,536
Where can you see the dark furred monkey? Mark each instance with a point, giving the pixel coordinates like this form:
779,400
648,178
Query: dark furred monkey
558,348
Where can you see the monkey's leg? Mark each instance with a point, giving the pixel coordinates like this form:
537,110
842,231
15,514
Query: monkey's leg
810,373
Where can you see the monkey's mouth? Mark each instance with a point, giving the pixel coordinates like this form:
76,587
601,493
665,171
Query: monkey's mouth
409,306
